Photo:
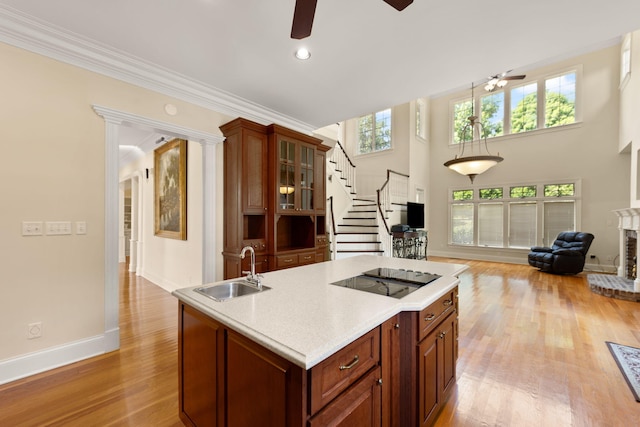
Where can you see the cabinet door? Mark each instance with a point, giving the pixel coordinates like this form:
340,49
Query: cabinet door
263,389
295,188
359,406
200,353
254,172
428,366
448,331
319,195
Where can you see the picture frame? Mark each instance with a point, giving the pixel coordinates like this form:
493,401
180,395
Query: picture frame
170,190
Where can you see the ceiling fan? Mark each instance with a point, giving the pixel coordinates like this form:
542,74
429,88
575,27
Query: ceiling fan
306,9
501,80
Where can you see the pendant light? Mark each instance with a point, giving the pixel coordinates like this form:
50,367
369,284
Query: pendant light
476,162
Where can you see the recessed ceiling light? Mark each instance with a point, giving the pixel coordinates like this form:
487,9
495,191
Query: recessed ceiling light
303,53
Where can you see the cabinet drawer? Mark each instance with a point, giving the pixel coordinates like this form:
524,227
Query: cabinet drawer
284,261
306,258
322,240
432,315
258,245
333,375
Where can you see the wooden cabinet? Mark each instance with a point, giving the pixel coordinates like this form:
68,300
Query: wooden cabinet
227,379
274,196
429,351
200,351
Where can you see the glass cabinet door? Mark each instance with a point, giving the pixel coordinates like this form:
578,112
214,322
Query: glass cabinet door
287,183
306,177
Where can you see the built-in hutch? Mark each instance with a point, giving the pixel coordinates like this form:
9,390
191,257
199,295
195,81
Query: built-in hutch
274,197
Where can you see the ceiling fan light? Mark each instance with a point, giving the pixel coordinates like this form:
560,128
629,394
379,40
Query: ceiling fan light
488,87
502,83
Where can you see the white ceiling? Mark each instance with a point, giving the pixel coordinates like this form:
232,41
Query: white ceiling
365,54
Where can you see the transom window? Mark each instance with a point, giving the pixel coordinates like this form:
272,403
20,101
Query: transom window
544,103
517,216
374,132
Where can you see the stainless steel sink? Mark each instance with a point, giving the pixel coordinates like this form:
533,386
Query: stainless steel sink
229,290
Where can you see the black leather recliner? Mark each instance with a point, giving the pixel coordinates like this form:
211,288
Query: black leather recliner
567,255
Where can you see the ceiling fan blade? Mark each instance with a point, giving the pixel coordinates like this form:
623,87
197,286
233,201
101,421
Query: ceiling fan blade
520,77
303,18
399,4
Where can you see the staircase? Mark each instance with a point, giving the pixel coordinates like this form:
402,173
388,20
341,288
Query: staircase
358,231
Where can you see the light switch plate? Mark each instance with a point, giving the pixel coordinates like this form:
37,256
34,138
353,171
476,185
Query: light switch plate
58,228
81,227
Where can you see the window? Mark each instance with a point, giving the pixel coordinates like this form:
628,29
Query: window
374,132
461,113
524,108
462,224
546,102
421,118
517,216
625,60
492,116
560,100
490,224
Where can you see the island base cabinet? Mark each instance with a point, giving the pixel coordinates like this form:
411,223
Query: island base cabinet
200,346
359,406
263,389
437,354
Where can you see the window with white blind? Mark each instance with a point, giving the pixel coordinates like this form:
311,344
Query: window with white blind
522,224
490,224
515,217
558,217
462,223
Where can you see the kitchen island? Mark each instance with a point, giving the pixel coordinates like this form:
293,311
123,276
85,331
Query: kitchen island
306,352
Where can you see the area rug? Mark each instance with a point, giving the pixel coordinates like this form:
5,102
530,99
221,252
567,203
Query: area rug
628,360
613,286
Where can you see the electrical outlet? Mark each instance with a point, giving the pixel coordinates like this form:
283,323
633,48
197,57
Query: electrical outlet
81,227
34,330
32,228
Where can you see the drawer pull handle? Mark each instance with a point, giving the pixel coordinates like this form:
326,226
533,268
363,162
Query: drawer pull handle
441,335
429,317
447,302
353,363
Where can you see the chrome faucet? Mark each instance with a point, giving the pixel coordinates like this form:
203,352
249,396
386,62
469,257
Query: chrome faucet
252,277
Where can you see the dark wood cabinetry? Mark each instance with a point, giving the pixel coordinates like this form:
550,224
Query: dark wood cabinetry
429,353
227,379
274,196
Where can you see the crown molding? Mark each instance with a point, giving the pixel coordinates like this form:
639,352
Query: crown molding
29,33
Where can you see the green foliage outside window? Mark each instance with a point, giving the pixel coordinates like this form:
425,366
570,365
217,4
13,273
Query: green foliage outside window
522,192
461,113
559,110
463,195
524,116
492,115
559,190
491,193
374,132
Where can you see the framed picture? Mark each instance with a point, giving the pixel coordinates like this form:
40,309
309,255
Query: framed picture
170,184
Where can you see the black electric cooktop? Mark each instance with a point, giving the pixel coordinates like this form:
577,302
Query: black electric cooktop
390,282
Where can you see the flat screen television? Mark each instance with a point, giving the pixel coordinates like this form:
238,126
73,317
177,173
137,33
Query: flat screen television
415,215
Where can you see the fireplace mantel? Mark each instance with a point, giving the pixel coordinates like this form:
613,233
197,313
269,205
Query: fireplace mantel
628,220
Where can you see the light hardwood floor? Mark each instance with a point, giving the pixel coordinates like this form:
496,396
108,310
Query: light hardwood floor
531,353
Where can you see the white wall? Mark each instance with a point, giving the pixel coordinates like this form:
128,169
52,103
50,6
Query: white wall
586,151
54,170
630,119
171,263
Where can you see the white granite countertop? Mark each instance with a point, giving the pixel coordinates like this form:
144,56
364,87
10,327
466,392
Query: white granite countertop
305,319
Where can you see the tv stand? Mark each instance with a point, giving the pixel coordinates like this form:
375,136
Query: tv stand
410,244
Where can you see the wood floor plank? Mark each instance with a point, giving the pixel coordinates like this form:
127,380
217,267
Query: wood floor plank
532,352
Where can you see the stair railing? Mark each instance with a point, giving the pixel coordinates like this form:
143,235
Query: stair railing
333,231
344,166
394,190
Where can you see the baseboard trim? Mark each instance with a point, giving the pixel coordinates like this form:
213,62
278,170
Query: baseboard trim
55,357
